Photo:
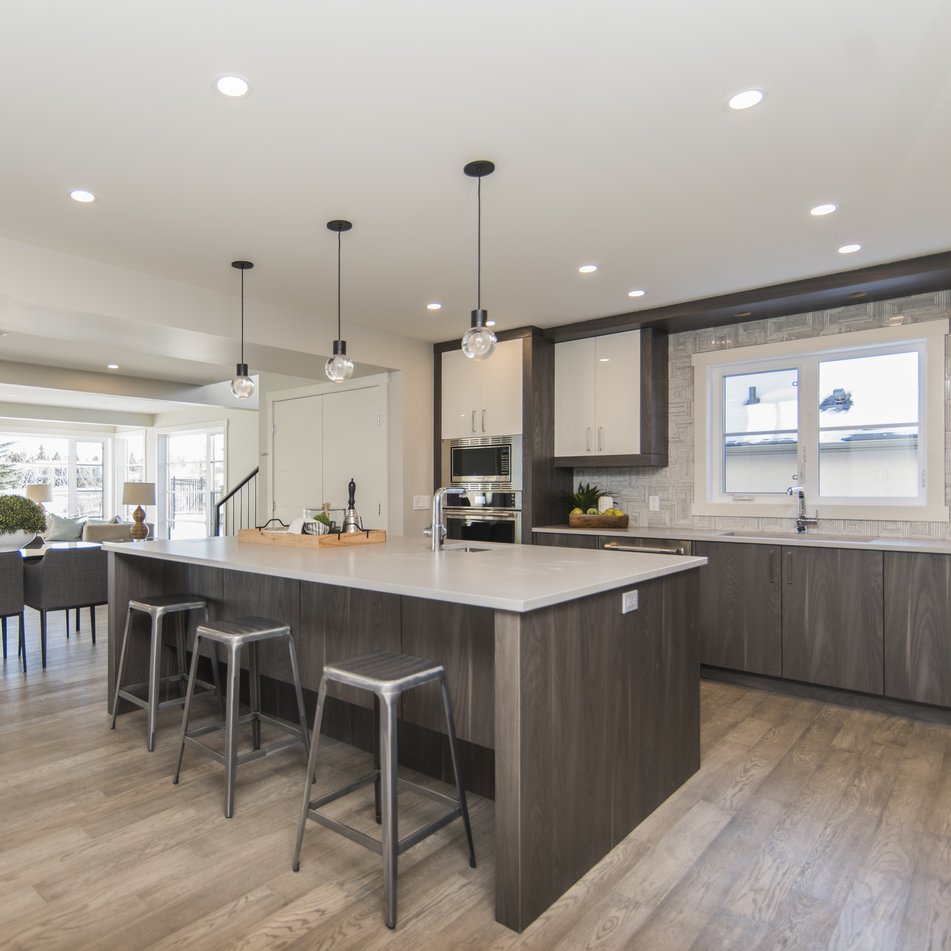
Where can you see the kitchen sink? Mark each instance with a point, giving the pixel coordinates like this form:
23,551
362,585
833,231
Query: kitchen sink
803,536
467,548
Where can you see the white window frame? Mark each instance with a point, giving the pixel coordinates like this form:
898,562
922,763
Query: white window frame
710,368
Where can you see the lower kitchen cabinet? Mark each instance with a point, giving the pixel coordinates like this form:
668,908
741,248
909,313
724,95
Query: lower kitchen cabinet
564,540
740,616
832,617
918,627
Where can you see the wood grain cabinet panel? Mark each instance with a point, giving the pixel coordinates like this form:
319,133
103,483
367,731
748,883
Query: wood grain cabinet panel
564,540
918,627
461,638
832,617
740,608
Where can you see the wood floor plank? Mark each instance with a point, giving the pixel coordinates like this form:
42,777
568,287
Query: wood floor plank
807,826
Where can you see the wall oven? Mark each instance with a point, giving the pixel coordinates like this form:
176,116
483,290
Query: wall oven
482,524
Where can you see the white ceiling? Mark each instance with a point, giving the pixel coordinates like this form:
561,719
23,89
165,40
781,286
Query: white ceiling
607,122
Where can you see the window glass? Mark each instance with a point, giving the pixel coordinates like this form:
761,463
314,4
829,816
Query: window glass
760,431
868,432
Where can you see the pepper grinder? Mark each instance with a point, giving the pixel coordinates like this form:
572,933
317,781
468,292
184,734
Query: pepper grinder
351,521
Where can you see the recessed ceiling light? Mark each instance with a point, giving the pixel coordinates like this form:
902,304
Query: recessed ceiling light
821,210
233,86
746,99
587,268
112,366
81,195
434,306
637,292
850,248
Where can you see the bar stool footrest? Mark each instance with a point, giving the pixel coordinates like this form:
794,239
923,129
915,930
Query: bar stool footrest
375,845
126,692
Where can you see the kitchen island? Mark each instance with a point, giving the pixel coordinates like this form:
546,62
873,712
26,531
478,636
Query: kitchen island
580,717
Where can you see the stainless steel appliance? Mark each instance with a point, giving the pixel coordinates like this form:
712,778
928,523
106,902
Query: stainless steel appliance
483,524
486,463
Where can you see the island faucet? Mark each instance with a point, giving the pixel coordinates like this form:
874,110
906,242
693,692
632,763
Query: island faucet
438,528
802,520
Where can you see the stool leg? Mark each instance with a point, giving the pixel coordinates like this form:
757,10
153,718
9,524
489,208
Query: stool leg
22,640
192,673
301,713
180,626
254,691
457,769
215,672
390,821
231,727
125,644
43,637
92,621
376,761
311,777
4,623
155,670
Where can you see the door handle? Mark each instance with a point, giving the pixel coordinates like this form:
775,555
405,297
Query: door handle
473,421
483,420
587,439
600,438
787,564
773,552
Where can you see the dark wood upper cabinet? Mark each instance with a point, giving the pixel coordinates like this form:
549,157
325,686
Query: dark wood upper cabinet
832,617
918,627
740,610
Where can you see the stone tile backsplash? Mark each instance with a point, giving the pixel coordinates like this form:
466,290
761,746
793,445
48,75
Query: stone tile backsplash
674,484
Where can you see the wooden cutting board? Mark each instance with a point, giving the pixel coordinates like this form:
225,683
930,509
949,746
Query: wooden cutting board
258,536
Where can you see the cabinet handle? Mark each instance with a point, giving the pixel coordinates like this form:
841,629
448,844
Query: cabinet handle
600,438
483,420
787,563
473,421
772,565
587,439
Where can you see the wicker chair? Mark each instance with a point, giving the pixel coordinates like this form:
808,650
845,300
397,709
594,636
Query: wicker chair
64,579
11,597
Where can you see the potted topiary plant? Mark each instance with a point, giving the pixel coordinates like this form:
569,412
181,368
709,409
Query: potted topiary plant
20,521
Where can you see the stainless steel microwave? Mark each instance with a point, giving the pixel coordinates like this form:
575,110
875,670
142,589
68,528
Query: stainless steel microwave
487,462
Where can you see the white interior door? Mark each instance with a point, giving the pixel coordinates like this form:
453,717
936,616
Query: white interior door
296,449
355,448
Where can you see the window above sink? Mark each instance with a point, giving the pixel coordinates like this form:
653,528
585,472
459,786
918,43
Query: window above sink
856,420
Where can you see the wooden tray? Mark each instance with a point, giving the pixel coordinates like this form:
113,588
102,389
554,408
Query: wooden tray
258,536
598,521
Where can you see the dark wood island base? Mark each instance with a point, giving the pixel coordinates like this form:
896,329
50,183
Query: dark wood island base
593,715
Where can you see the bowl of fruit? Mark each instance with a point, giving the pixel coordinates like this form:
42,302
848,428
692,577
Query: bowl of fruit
586,513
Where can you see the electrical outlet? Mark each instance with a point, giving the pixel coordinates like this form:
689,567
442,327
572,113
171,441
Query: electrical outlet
653,503
421,503
629,601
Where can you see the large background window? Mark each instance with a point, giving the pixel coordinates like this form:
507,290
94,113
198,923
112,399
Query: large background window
75,467
855,419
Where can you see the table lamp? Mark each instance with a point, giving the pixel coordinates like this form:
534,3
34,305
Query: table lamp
39,492
138,494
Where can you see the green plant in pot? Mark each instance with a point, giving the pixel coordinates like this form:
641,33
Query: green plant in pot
585,500
21,520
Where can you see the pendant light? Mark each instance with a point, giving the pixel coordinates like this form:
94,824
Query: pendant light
339,367
242,386
479,341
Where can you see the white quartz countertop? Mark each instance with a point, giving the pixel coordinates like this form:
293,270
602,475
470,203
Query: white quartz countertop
810,538
505,577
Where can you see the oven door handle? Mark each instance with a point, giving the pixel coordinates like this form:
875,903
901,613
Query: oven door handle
617,546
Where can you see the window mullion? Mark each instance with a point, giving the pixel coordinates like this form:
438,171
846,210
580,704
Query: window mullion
809,426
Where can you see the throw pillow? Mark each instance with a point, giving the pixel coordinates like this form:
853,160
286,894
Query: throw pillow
59,529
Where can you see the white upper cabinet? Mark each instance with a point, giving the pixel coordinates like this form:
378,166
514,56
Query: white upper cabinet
482,397
598,395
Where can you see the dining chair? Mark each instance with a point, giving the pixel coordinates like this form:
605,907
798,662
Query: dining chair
11,598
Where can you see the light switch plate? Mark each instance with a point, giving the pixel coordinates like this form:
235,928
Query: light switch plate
653,503
421,503
629,601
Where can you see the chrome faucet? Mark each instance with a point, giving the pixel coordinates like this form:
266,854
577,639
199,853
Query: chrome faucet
802,520
438,528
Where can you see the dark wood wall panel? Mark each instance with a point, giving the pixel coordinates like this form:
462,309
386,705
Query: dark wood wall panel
461,638
917,633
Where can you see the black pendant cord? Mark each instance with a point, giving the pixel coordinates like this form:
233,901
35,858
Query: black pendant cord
242,316
479,244
338,285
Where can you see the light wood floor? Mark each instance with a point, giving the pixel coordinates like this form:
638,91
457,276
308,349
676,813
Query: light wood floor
808,826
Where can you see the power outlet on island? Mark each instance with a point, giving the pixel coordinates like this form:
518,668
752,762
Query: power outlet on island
421,503
629,601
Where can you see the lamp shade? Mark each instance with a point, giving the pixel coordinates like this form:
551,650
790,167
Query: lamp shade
39,492
138,493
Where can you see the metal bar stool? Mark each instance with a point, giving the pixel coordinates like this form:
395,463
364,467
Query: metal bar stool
235,635
387,675
157,607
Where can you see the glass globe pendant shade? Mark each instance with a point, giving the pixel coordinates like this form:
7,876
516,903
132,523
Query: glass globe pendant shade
339,368
478,342
242,386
